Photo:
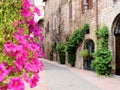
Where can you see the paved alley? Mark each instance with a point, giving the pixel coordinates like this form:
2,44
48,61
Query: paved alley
62,77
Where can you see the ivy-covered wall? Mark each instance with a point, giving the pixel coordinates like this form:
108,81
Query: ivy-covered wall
74,41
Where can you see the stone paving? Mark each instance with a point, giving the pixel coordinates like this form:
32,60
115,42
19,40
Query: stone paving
62,77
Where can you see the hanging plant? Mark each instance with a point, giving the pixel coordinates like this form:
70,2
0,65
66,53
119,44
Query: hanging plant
84,53
18,48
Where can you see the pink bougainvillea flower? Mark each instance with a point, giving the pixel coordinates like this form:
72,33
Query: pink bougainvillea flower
42,54
16,84
20,38
33,47
38,63
3,72
26,12
19,64
20,30
33,81
31,67
5,87
26,3
9,69
36,10
26,78
41,37
8,46
15,23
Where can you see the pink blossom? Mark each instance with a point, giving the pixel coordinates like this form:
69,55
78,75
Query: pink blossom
16,84
9,68
5,87
33,47
31,67
33,81
26,78
15,23
41,37
36,10
42,54
20,30
8,46
26,3
20,38
3,72
26,12
38,63
19,64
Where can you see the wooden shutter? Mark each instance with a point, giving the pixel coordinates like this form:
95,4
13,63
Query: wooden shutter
90,4
82,6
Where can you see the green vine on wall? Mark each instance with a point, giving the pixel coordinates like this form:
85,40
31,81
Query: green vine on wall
102,56
74,41
61,50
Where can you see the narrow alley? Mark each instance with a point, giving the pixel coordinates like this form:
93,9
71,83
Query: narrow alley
62,77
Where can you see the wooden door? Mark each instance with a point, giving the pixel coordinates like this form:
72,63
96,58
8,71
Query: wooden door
118,54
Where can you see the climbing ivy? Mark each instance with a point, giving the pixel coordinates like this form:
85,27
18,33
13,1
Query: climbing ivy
102,56
61,50
74,41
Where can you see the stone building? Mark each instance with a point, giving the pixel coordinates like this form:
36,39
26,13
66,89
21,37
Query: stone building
62,17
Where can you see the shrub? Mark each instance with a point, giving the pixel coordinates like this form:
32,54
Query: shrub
61,50
102,56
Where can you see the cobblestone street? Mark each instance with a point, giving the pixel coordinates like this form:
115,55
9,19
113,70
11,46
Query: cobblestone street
61,77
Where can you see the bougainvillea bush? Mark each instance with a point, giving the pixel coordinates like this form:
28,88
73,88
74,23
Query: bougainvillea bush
19,50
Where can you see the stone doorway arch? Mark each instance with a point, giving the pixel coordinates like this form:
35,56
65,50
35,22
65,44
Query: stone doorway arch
90,46
116,46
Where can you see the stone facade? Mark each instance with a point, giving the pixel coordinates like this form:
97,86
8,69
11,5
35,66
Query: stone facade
62,22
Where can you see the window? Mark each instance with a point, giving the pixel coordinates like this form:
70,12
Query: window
70,9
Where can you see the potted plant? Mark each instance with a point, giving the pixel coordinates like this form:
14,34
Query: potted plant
84,53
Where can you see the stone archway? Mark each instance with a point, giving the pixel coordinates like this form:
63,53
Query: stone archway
89,45
116,29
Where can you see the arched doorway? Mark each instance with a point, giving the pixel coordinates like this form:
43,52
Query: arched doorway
116,29
89,45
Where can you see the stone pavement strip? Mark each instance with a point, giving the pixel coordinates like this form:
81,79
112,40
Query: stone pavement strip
62,77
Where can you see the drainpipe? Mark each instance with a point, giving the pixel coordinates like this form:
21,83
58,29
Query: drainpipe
96,14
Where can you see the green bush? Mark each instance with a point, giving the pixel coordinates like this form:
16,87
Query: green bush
102,61
102,56
74,41
61,50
